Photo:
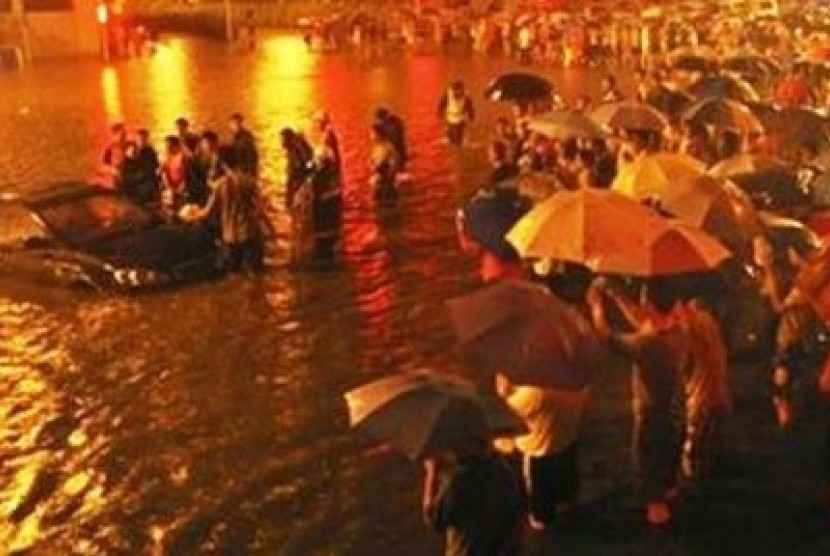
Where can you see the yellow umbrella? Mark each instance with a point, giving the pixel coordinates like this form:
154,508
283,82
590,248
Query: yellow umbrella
610,233
649,175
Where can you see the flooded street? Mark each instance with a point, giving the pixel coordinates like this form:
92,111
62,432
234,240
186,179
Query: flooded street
210,419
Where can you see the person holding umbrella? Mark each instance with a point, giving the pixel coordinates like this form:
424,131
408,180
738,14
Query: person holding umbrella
481,225
659,349
470,494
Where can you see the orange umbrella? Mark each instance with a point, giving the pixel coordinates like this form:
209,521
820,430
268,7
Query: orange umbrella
610,233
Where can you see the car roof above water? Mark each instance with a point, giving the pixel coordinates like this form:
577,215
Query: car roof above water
61,192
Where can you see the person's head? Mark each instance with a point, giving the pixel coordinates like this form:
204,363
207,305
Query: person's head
807,151
321,120
142,137
236,122
287,137
497,153
190,144
609,82
209,142
118,131
227,157
568,151
639,140
381,114
457,88
599,146
173,144
378,133
182,126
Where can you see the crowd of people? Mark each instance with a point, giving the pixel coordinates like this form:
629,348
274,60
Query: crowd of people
483,495
199,180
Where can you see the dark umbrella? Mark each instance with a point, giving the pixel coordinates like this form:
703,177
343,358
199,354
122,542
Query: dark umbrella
723,113
422,414
668,101
772,189
795,126
521,330
519,87
751,66
725,87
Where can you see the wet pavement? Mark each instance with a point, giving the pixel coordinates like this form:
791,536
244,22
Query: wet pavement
209,420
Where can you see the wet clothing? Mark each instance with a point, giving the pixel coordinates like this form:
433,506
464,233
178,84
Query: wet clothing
478,507
395,131
385,166
707,393
298,167
197,188
247,156
235,203
456,112
660,358
549,452
148,160
326,210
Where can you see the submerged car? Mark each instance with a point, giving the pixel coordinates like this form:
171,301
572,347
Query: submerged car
81,234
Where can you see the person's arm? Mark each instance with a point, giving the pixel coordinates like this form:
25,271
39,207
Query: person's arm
446,505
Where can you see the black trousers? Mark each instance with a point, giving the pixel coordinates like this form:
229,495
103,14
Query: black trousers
247,255
552,481
455,134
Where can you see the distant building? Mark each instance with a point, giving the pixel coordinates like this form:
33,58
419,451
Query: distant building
50,28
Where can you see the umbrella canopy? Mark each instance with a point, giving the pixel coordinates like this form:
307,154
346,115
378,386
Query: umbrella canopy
723,86
776,189
422,413
700,60
521,330
795,126
629,115
744,164
703,202
655,172
668,101
723,113
751,66
519,87
611,233
564,124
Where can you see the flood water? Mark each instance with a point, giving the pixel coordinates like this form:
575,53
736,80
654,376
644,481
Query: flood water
210,419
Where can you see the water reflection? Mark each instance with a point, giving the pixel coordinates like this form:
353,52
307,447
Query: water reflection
111,91
209,420
168,82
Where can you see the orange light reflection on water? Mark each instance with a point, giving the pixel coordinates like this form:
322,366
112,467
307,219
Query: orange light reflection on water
111,92
168,84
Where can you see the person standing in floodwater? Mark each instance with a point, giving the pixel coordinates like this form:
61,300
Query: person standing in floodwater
384,167
457,111
244,145
235,202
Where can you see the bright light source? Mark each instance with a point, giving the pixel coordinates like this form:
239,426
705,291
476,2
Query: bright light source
103,14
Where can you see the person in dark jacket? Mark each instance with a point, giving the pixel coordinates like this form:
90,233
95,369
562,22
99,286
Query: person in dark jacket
395,130
244,145
473,497
149,166
504,171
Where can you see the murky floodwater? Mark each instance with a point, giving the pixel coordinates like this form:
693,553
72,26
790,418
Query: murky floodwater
210,420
